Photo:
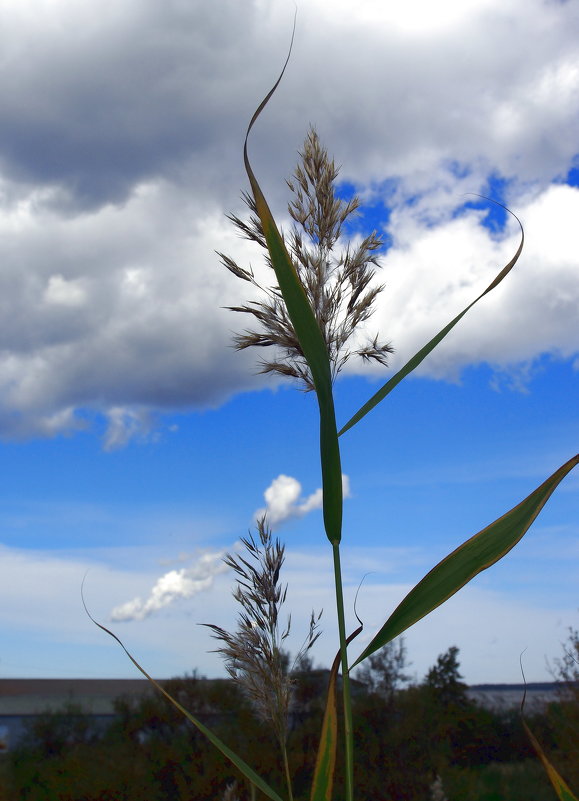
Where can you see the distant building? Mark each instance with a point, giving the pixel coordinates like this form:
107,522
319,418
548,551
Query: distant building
23,699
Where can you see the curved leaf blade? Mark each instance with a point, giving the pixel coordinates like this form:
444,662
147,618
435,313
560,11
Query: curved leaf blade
419,357
298,307
473,556
310,339
239,763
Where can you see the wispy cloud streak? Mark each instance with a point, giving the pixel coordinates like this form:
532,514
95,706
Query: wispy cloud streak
173,586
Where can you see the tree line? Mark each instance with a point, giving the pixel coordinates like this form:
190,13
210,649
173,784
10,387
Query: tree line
415,741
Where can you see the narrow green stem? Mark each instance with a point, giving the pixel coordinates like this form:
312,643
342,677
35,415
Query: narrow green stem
348,729
288,777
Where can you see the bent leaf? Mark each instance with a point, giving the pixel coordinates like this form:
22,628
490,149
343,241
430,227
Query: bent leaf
310,339
413,363
323,780
473,556
239,763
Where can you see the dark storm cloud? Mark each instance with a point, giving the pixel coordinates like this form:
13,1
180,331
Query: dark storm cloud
98,98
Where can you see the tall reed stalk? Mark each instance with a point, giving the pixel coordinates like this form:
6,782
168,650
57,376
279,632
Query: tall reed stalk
319,298
254,656
340,293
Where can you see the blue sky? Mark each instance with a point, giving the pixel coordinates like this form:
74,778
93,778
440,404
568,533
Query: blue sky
137,445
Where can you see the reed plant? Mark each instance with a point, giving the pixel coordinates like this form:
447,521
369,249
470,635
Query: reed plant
254,655
317,301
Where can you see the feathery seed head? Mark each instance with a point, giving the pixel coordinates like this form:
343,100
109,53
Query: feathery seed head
338,287
253,655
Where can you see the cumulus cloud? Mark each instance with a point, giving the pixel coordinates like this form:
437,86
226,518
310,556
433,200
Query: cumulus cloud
284,500
120,154
433,273
172,586
136,325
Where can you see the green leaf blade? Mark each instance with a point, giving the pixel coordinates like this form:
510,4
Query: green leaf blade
311,342
473,556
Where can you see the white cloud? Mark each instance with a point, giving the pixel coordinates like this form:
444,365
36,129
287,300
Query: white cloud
123,425
431,274
172,586
120,154
47,633
111,336
284,500
414,18
64,293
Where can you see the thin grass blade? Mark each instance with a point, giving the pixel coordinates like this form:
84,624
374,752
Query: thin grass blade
559,785
473,556
239,763
419,357
310,339
323,780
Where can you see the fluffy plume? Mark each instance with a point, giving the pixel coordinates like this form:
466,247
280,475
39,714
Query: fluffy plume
339,287
254,655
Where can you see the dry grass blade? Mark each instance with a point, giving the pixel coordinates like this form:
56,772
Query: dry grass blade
323,781
564,792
